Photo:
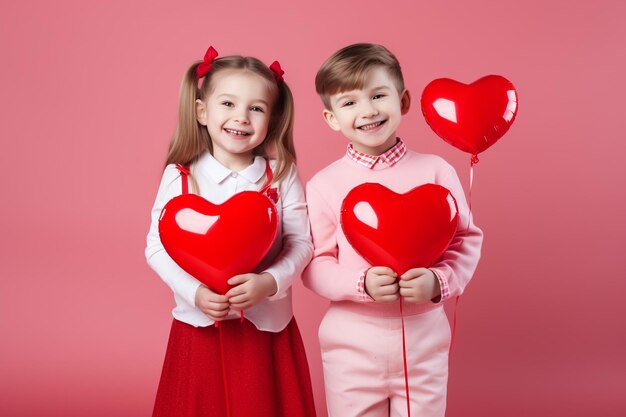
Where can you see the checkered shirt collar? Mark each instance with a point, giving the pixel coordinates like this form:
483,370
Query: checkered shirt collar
388,158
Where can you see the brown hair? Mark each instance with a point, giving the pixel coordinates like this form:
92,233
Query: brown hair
347,69
191,139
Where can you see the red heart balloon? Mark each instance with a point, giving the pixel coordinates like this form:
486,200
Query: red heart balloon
216,242
470,117
401,231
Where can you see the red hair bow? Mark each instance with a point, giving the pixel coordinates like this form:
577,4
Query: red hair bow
206,64
278,71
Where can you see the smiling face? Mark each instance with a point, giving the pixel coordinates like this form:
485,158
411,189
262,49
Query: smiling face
369,116
236,113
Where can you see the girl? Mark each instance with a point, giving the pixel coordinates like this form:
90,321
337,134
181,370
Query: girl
257,366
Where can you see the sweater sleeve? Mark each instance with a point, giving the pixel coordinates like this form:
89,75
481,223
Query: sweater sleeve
181,283
457,265
297,248
325,275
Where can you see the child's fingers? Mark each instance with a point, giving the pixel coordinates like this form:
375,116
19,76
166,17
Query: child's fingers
385,280
406,292
218,313
235,291
217,306
239,279
217,298
382,270
215,310
388,298
388,289
242,306
242,298
406,283
414,273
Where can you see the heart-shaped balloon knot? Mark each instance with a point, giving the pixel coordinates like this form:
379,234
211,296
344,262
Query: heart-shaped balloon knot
272,194
183,169
474,160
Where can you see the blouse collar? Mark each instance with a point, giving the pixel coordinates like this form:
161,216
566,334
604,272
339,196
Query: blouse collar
218,172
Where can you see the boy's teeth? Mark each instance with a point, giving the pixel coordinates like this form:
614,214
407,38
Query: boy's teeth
370,126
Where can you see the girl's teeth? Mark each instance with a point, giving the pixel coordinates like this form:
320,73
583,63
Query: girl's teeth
236,132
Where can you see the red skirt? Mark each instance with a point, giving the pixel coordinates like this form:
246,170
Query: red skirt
265,374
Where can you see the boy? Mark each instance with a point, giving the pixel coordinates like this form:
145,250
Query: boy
364,98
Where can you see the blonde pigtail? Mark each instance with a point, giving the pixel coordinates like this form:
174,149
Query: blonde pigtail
190,140
283,132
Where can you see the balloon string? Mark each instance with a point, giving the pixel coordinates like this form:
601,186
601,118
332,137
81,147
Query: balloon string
473,162
406,373
269,176
453,324
224,376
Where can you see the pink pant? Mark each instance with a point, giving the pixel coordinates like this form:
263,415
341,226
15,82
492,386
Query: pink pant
363,365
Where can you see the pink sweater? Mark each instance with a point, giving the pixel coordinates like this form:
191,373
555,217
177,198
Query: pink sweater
336,267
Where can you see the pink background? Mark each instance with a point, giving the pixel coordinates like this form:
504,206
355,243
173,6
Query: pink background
89,96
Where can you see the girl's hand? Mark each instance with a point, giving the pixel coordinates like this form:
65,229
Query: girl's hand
419,285
381,284
212,304
250,289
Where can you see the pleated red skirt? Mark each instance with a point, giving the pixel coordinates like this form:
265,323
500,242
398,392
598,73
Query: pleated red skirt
265,374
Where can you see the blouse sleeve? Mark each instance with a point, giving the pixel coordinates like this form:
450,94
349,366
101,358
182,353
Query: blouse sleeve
297,248
182,283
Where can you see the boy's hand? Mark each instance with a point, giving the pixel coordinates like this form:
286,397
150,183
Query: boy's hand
419,285
212,304
250,289
381,284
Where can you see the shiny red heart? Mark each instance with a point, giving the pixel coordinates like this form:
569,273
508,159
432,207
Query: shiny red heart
401,231
470,117
213,242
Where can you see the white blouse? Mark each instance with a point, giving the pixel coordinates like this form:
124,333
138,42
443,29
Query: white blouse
290,253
